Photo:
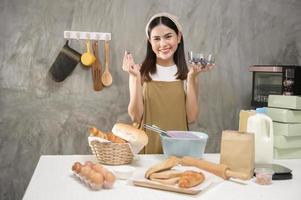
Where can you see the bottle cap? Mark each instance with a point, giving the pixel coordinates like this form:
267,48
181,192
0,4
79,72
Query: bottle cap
261,110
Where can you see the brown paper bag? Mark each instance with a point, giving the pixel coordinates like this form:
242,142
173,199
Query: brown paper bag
243,119
237,151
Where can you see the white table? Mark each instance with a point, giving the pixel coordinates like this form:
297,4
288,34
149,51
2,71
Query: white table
52,179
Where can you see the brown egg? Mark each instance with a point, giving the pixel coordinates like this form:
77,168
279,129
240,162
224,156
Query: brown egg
109,180
95,187
97,178
98,168
90,175
89,163
77,167
85,171
96,181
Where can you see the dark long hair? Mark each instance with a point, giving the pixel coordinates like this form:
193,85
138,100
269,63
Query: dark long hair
149,63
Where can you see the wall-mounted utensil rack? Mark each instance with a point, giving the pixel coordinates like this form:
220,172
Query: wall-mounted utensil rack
80,35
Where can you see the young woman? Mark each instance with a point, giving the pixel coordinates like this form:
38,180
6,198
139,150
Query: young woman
163,90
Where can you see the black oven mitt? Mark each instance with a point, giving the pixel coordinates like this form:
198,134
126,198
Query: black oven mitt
65,63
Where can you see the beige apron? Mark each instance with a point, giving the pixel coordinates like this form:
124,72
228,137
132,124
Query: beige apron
165,107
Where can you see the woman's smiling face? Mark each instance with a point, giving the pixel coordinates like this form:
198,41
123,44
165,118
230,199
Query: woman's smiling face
164,41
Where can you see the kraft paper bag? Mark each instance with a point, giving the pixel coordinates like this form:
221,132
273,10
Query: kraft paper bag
243,119
237,151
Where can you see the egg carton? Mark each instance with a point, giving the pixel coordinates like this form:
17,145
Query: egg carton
87,182
94,176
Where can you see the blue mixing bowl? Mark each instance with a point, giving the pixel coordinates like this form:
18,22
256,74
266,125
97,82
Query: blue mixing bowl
184,146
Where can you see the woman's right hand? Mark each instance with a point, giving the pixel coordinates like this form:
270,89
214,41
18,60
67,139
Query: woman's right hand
129,65
194,69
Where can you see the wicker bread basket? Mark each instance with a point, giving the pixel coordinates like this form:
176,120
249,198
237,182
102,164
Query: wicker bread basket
111,153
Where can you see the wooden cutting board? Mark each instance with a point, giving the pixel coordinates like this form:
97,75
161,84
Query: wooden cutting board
172,188
210,180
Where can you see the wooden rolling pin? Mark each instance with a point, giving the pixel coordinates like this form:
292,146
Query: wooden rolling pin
220,170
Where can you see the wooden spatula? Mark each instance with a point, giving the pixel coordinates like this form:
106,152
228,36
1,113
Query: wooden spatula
96,69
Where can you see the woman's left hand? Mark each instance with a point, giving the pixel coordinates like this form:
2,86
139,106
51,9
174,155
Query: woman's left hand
195,69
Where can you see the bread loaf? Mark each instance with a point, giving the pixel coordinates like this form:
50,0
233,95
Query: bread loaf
136,137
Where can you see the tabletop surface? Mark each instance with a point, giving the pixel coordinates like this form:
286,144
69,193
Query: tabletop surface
53,179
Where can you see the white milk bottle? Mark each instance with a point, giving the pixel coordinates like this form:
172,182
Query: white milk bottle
262,126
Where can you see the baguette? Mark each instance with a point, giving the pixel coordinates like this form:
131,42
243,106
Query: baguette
115,139
169,181
93,131
108,136
167,164
190,179
165,174
97,133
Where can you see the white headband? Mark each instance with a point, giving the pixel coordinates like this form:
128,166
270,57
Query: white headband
173,18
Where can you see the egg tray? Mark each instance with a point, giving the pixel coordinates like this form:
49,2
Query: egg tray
111,153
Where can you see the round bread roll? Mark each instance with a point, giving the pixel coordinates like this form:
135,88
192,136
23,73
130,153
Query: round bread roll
136,137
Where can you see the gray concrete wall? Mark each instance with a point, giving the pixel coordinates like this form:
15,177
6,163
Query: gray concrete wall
40,116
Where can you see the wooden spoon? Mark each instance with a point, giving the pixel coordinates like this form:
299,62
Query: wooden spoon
106,76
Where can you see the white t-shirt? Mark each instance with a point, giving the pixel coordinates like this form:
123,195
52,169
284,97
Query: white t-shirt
165,73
